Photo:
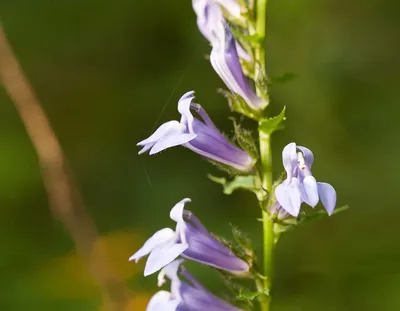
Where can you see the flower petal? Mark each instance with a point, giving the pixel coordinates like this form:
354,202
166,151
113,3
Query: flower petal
208,12
225,61
184,110
310,190
171,270
194,299
162,130
176,213
175,139
210,143
289,159
205,248
204,115
163,255
327,194
161,301
289,196
308,155
160,237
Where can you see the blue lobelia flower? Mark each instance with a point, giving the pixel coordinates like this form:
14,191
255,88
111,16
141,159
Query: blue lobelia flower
187,295
225,51
203,8
300,186
200,136
190,240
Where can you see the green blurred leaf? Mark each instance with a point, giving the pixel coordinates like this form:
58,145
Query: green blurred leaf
284,78
250,296
321,214
251,183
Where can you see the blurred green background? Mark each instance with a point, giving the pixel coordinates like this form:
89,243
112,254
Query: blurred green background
108,72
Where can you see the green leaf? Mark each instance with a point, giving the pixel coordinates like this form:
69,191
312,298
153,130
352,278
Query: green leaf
250,296
291,223
270,125
237,104
250,183
321,214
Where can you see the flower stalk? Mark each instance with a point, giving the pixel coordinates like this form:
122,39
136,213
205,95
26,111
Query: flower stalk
266,159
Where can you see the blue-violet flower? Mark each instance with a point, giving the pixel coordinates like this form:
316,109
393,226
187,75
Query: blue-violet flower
190,240
225,51
300,186
200,136
187,295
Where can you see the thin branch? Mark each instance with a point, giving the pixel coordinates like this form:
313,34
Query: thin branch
66,202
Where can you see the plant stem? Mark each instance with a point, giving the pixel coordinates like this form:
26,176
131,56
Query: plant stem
266,158
261,17
268,226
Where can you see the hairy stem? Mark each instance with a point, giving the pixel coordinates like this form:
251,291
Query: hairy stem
266,158
268,226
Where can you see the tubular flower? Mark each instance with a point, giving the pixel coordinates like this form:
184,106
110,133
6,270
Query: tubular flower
190,240
225,52
198,135
187,295
300,186
206,8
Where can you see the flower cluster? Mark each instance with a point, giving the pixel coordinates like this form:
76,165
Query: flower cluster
190,240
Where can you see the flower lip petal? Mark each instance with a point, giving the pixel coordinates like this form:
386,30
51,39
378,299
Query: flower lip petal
327,194
163,255
171,141
311,191
162,130
289,196
160,237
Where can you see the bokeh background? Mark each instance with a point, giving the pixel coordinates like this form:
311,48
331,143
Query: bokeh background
108,72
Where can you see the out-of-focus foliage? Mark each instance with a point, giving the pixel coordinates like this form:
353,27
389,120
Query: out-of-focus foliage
108,72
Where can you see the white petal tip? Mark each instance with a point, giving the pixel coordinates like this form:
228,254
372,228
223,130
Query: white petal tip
153,151
133,258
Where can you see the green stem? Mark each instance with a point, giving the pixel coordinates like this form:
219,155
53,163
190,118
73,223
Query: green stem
266,158
261,17
268,225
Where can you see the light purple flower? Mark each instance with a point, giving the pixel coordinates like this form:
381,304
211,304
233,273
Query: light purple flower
190,240
187,295
225,51
300,186
205,8
199,135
